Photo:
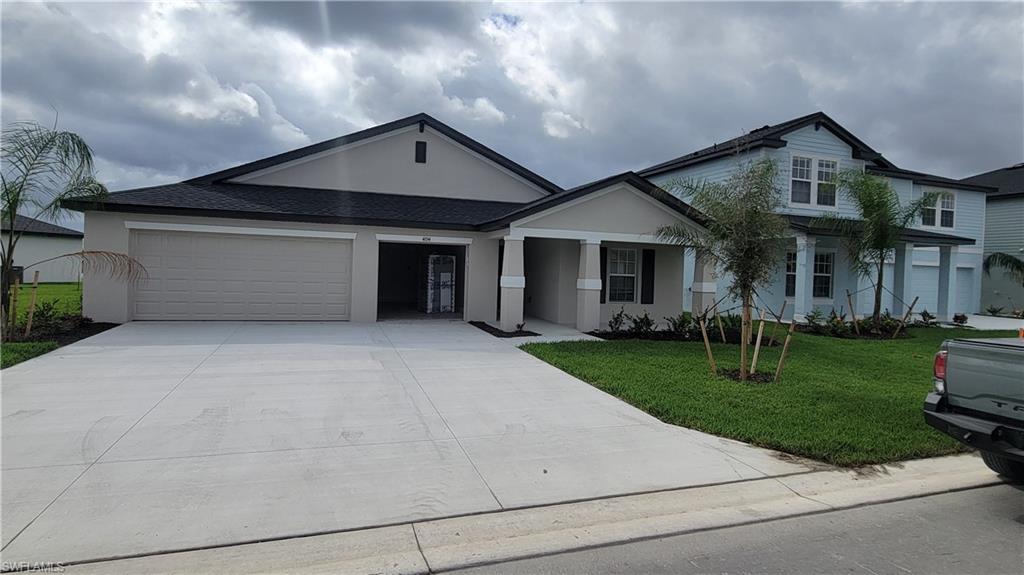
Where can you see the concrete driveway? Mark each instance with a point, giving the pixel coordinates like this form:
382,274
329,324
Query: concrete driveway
165,436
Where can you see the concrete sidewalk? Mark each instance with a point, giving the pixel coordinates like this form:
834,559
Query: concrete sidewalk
448,544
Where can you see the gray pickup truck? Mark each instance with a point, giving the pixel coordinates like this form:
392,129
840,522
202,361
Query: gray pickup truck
979,399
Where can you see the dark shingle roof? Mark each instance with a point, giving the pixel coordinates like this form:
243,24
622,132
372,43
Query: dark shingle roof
301,204
928,179
30,226
1008,182
915,236
769,136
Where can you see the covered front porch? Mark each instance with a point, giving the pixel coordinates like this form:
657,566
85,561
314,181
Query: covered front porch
592,251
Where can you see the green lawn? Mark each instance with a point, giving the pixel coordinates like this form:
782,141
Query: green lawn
846,402
12,353
67,295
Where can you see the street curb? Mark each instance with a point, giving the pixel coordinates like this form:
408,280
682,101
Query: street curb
482,539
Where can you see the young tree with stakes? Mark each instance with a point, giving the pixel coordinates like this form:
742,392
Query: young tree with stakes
744,235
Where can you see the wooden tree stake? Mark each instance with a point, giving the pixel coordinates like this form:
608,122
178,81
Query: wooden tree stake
757,344
718,321
778,322
707,344
32,303
853,313
13,306
785,348
906,316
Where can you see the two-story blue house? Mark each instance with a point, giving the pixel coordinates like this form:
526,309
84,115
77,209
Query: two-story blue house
939,261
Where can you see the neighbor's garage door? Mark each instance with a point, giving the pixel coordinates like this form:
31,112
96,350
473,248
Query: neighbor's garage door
208,276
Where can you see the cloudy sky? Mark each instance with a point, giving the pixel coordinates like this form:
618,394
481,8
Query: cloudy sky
573,91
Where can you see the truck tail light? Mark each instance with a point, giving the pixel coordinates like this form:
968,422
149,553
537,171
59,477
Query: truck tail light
939,371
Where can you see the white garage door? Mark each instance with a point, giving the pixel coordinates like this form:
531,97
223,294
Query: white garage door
207,276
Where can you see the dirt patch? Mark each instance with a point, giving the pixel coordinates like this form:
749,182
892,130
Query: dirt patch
502,334
759,377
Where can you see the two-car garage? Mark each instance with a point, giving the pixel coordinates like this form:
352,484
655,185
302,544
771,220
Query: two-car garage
204,275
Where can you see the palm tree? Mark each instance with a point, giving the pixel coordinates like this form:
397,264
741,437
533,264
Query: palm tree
1012,265
43,167
874,236
744,234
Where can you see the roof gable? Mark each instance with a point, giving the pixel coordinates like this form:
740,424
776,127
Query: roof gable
418,123
771,137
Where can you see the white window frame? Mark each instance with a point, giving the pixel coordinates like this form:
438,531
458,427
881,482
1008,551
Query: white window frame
786,273
634,275
942,194
814,182
831,276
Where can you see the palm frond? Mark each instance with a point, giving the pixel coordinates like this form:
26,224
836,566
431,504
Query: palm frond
1013,266
118,266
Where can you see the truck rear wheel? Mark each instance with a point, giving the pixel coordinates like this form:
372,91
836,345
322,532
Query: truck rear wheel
1006,467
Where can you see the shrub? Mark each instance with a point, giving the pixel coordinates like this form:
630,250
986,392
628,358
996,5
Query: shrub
683,324
1018,313
960,319
617,320
927,318
641,325
994,310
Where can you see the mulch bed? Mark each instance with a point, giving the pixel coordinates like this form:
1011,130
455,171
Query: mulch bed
759,377
71,334
499,333
732,338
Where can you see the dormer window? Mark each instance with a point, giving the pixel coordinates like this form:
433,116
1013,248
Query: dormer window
813,181
941,213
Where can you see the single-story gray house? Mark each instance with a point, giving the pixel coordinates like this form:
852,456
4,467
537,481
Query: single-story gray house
42,241
409,217
1004,232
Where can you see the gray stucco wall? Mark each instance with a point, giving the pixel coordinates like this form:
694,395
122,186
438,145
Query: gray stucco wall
387,165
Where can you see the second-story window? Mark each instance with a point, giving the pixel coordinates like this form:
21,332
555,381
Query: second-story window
812,181
941,213
800,185
827,171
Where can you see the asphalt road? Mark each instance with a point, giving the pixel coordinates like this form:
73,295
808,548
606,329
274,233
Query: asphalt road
978,531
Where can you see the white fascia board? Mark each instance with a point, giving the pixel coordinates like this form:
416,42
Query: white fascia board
592,237
421,239
237,230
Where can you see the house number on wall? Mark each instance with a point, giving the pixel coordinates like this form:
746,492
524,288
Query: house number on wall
426,238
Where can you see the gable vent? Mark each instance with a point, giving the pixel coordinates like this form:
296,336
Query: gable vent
421,152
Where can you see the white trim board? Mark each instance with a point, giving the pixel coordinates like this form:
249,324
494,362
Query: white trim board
522,233
421,239
237,230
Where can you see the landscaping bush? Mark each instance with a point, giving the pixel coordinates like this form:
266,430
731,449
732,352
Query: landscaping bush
960,319
684,325
617,320
641,325
994,310
927,319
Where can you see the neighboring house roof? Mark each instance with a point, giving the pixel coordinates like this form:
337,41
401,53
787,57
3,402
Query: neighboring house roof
771,137
284,203
631,178
914,236
1006,182
33,227
929,179
421,118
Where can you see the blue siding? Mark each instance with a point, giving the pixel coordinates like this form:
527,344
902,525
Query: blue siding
969,221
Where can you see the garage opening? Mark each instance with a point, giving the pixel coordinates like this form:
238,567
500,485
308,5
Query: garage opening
420,281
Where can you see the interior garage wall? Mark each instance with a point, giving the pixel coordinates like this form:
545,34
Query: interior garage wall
105,299
552,267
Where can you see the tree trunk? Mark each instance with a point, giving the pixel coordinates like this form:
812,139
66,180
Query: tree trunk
876,313
744,340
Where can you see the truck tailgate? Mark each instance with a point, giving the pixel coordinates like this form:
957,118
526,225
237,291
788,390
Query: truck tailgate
987,376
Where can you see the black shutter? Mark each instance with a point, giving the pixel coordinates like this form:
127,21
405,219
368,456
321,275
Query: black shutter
647,277
604,274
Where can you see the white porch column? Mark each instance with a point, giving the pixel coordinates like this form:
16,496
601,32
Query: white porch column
803,303
588,286
947,282
903,274
512,282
